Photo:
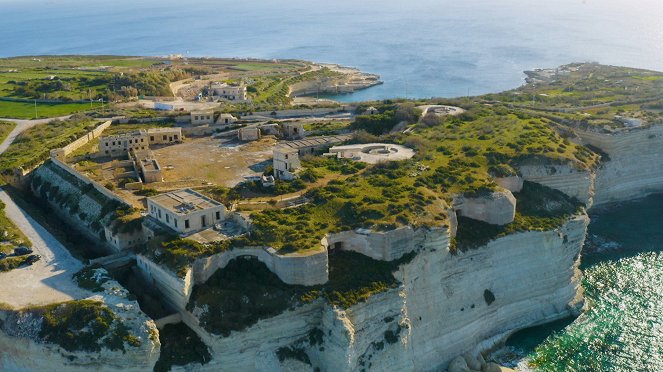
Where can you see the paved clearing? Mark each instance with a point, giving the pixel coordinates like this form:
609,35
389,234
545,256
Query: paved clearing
49,279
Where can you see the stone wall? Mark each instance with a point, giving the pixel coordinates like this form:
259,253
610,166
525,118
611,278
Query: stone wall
80,142
309,268
83,178
176,290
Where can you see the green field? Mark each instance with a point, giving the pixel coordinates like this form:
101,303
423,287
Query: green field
25,110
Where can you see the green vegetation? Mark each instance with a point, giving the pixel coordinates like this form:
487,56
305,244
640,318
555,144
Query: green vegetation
84,325
590,95
538,208
92,278
26,110
246,291
179,254
118,216
10,235
180,346
5,128
388,116
33,145
11,263
327,127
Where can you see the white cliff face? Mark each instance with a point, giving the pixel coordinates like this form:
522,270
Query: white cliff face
446,306
25,352
635,165
497,208
563,177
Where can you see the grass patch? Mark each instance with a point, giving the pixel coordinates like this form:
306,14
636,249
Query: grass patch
5,128
179,254
10,235
33,145
84,325
26,110
11,263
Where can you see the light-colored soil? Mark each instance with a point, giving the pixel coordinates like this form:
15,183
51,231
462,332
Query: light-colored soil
219,161
48,280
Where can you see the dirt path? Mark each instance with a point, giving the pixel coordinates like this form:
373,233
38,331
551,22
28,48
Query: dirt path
22,125
49,279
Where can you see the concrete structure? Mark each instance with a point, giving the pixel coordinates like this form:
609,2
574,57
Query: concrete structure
164,136
292,130
285,163
372,153
139,140
370,111
185,211
248,134
229,92
311,145
202,117
225,119
163,106
147,166
268,181
120,144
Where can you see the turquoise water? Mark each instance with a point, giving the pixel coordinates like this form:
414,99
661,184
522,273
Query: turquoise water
623,328
421,48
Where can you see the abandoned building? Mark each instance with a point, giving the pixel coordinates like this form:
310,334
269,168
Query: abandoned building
292,130
248,134
185,211
228,92
225,119
120,144
285,163
202,117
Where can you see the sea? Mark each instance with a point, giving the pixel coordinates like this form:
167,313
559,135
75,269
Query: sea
421,49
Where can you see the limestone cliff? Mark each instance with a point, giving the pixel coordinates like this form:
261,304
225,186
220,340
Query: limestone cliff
23,347
632,165
448,304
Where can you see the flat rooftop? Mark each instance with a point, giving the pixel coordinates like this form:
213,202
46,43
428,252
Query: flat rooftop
164,130
315,141
183,202
126,134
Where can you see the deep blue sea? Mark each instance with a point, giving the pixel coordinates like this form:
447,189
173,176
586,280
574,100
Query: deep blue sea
421,48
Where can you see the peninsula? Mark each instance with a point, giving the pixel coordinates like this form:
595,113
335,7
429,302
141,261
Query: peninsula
214,214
